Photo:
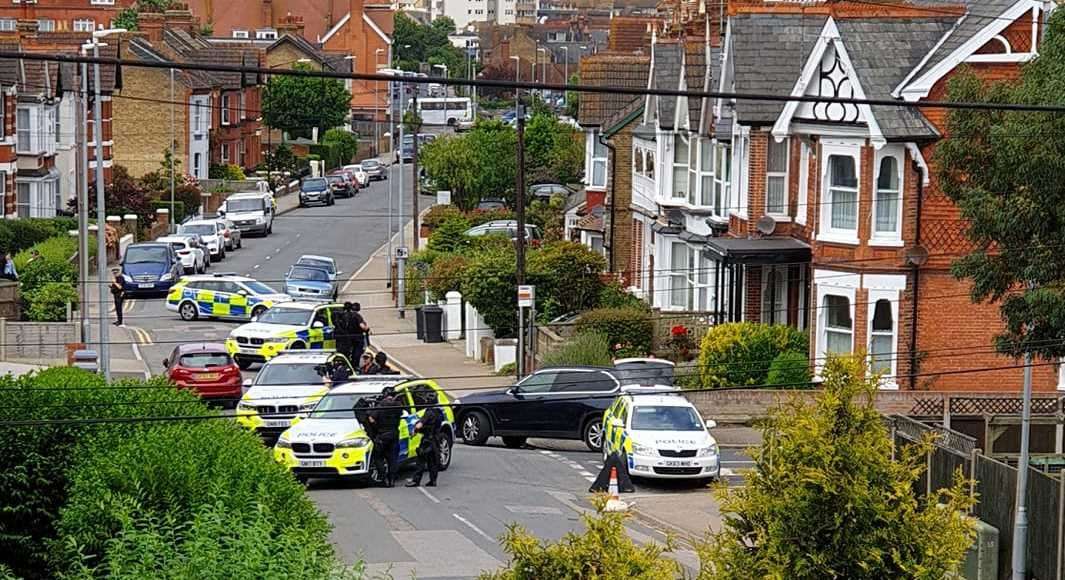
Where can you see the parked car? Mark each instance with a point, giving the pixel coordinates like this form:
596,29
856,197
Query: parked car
554,403
545,191
150,267
304,282
211,232
324,262
352,181
316,190
193,258
359,174
491,203
648,372
340,185
206,369
662,435
230,235
375,169
507,228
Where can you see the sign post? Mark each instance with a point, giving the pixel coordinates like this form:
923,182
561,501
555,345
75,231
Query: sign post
526,299
401,282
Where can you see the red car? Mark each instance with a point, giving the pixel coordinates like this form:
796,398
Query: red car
207,369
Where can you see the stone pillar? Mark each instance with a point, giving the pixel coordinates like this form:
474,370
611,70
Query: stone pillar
453,316
131,224
162,217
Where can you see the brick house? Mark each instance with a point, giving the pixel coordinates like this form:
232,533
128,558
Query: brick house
62,15
217,122
831,218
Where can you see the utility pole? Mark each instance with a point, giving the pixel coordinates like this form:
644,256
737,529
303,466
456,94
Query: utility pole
82,113
519,213
415,182
392,146
101,215
173,152
1020,520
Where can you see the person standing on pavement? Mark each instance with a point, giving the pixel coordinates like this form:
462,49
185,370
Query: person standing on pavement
386,416
429,448
365,328
343,333
367,366
119,295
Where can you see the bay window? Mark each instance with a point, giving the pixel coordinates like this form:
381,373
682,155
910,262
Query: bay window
598,162
838,328
23,130
722,177
776,177
840,205
22,200
706,174
887,197
804,183
693,171
882,338
680,166
679,288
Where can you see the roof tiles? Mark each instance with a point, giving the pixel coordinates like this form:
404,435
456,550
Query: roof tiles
629,71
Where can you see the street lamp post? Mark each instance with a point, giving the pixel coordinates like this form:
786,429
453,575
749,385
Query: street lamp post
543,71
173,147
565,81
444,67
517,79
377,103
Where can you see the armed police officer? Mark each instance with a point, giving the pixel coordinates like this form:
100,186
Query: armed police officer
385,417
429,449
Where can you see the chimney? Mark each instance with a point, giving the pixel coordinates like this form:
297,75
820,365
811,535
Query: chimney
290,24
358,33
151,24
178,17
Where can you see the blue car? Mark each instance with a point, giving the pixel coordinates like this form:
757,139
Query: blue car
150,268
306,282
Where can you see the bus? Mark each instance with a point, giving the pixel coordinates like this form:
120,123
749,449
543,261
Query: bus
449,111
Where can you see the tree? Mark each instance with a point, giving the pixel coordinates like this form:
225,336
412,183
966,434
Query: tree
416,43
186,188
340,146
122,196
573,98
479,163
296,104
554,151
126,18
825,499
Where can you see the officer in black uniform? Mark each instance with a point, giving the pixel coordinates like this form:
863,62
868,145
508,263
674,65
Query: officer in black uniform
385,417
429,449
344,323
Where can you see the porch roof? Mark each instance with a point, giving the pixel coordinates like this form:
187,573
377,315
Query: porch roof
759,250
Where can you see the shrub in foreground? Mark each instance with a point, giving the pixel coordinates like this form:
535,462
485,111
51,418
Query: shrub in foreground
740,353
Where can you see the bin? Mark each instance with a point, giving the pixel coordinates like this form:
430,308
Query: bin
419,322
434,323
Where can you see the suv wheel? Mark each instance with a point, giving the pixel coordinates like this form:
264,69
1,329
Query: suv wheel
475,428
188,311
513,442
298,345
257,311
243,363
592,434
446,446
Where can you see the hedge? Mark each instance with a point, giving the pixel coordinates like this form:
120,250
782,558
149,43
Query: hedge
49,302
445,274
566,275
741,353
585,349
790,369
449,235
631,328
18,235
50,279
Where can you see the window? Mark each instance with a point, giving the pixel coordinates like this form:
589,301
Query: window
107,2
266,34
196,165
882,338
804,182
237,33
8,24
776,177
775,294
45,25
705,280
693,171
225,109
22,200
680,166
678,275
842,195
197,116
839,326
240,152
243,106
56,118
886,206
706,173
722,186
84,25
599,154
538,382
595,242
644,160
225,153
23,130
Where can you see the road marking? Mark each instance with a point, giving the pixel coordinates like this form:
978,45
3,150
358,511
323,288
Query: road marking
277,250
268,257
534,510
479,531
255,267
428,495
588,474
137,352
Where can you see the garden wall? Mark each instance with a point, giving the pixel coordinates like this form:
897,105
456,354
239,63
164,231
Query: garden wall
36,342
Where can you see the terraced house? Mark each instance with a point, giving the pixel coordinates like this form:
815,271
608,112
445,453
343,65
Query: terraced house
823,216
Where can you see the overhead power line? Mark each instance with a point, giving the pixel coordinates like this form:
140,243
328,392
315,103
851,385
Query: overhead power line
531,86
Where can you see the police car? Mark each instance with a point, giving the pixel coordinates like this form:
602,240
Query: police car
331,442
288,326
222,296
662,435
287,385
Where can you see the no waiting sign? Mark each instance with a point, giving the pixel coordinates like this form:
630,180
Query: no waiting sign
526,296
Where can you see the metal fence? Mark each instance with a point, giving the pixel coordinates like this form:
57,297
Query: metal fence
994,484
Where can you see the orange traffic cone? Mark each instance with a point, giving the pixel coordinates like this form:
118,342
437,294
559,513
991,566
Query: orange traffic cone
614,504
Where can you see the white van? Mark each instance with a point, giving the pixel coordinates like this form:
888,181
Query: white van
252,212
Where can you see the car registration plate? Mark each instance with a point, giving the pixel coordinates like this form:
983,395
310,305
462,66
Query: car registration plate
145,285
312,463
276,422
208,376
677,463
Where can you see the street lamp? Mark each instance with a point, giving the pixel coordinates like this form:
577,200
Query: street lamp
517,79
543,71
565,81
377,102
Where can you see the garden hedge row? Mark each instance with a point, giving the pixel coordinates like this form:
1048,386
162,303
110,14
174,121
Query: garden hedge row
743,353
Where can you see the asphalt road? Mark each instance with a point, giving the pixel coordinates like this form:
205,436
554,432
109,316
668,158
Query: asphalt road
450,531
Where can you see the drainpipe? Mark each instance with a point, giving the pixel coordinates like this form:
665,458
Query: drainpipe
613,200
915,268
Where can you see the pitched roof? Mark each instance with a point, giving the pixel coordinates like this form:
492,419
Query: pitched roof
695,77
979,15
623,116
604,69
883,52
770,67
195,49
630,33
667,61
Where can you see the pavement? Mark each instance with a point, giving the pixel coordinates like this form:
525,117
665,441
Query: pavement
450,531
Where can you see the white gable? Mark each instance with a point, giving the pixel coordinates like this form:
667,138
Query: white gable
831,79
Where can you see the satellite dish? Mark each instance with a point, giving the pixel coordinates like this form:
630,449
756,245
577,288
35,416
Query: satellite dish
917,256
766,225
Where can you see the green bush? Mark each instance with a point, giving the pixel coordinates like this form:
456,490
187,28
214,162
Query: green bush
177,212
490,286
18,235
483,216
629,327
53,266
585,348
49,302
438,213
450,235
227,172
566,275
445,275
790,369
612,295
741,353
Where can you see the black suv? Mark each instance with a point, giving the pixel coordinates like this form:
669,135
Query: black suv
555,403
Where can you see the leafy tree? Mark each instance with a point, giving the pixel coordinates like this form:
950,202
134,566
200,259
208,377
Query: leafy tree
123,195
825,499
416,43
450,235
296,104
412,123
476,164
554,151
489,286
573,98
186,188
126,18
344,142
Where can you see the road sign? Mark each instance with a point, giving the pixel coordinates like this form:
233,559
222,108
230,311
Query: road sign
443,197
526,296
402,253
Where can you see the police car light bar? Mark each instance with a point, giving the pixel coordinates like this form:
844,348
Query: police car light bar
220,274
651,390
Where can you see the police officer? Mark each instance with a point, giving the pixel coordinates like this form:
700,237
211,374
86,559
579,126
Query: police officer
382,364
359,330
343,322
385,417
429,449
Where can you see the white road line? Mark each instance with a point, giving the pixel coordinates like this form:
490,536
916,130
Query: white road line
545,452
268,257
590,479
428,495
277,250
255,267
137,352
479,531
588,474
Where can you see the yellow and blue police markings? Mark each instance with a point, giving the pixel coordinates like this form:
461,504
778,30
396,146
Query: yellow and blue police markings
310,338
350,456
616,438
214,304
248,416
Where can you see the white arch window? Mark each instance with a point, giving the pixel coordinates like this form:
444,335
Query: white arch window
887,196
